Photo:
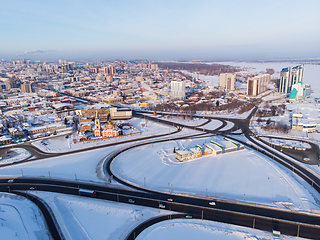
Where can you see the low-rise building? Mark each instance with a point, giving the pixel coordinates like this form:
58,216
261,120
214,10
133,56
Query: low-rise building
44,129
86,126
197,152
215,148
120,113
184,154
5,140
112,99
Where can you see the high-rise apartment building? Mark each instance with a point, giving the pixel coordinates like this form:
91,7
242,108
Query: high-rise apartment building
258,84
26,88
228,81
11,83
178,90
289,77
112,70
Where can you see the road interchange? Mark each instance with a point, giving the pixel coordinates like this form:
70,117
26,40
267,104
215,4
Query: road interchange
261,217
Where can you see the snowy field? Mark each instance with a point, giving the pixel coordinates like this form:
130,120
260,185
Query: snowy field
80,166
88,218
15,155
62,144
21,219
245,175
201,229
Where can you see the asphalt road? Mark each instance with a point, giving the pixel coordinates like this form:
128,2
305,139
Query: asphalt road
242,214
312,153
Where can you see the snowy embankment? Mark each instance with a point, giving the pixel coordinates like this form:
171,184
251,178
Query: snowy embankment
202,229
245,175
15,155
214,124
228,126
186,121
21,219
108,220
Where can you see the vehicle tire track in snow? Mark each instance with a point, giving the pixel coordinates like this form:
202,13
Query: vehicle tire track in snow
285,178
69,219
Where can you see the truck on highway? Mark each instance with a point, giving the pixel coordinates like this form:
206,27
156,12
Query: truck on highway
86,192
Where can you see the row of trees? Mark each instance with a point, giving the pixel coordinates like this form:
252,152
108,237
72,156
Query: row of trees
205,69
270,111
232,106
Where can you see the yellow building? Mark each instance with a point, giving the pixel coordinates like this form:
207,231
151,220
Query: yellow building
145,104
112,99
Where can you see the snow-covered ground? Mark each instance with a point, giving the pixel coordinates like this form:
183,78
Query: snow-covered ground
62,144
281,142
80,166
202,229
84,166
310,113
89,218
186,121
15,155
21,219
245,175
224,114
214,124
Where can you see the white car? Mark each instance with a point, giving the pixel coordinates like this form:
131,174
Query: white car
188,216
131,201
162,206
170,199
212,203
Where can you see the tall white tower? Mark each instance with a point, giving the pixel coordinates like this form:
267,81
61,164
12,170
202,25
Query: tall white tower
178,90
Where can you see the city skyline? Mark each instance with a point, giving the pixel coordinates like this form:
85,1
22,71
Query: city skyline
206,30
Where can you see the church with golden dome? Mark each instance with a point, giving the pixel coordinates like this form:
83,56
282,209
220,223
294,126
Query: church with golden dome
110,130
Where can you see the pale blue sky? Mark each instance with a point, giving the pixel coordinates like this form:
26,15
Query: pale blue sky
163,29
